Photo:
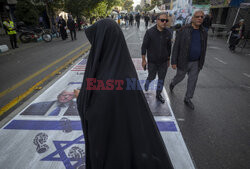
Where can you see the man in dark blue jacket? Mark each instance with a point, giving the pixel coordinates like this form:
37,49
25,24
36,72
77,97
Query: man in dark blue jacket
157,45
189,55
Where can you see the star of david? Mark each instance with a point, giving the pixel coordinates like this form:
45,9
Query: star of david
63,157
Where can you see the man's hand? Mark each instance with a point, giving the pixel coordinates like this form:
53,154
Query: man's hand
174,66
144,62
76,92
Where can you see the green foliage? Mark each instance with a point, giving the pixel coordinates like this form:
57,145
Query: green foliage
128,5
26,12
90,8
112,3
146,8
201,1
75,7
155,2
138,8
100,10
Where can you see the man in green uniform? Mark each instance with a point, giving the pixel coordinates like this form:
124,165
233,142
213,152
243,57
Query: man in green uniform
11,30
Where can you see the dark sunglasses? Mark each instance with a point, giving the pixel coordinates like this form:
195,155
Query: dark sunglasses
162,20
199,17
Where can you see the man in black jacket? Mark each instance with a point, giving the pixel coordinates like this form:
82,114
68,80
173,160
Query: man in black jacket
146,19
238,31
137,19
157,45
72,28
189,55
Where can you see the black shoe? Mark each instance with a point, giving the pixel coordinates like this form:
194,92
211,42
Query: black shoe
146,87
171,87
160,98
16,47
189,103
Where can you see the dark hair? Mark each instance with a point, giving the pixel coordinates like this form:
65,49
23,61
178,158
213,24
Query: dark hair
159,14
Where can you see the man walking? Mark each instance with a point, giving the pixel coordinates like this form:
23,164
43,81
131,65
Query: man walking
72,27
189,55
157,45
131,19
146,19
137,19
238,31
11,31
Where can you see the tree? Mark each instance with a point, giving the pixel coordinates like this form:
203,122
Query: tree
26,12
100,10
146,7
112,3
75,7
50,6
155,3
201,2
128,5
138,8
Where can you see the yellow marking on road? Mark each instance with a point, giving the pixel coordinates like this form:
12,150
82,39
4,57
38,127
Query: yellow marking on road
38,72
30,90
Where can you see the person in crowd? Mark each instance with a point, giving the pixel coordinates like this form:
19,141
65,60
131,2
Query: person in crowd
188,19
170,20
157,45
189,55
126,18
72,27
116,120
10,28
62,27
146,19
137,19
131,19
238,31
207,22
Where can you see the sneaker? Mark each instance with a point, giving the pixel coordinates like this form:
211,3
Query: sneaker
171,87
160,98
189,104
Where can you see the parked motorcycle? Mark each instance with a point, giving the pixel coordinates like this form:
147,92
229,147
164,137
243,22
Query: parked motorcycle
28,34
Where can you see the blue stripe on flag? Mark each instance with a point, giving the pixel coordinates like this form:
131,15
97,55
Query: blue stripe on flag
74,125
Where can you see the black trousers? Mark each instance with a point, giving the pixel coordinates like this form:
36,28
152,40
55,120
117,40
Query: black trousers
161,70
71,34
138,24
146,24
13,41
233,41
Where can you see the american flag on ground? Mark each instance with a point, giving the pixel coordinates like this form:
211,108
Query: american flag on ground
80,66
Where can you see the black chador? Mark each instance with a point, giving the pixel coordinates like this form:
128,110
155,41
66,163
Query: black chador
119,129
62,26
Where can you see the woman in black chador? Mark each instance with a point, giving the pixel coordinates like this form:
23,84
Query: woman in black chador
119,128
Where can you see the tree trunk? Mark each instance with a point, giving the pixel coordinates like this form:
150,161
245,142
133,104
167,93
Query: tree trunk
48,14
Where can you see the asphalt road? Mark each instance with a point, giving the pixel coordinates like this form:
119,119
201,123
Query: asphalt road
217,131
41,58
